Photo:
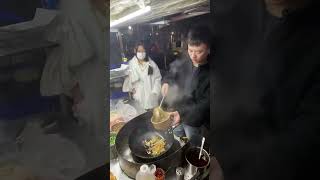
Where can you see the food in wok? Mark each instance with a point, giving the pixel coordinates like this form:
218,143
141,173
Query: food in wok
155,146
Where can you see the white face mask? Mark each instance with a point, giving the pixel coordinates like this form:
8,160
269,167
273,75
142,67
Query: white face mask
141,55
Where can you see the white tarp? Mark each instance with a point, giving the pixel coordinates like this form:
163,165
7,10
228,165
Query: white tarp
41,155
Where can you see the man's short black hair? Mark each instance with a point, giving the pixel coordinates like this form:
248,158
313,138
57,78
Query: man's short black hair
198,35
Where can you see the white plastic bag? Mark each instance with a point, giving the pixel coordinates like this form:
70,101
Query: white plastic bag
50,155
127,111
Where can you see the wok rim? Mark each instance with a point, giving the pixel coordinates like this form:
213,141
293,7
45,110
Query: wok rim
124,135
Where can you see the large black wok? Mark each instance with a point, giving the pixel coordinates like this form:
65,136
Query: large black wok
140,134
131,163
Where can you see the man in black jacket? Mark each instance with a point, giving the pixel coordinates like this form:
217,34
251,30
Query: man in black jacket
192,77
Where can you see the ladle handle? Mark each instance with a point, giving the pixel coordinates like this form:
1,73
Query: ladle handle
203,139
164,91
161,101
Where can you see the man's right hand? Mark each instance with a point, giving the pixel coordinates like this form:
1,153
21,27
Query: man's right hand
176,118
164,89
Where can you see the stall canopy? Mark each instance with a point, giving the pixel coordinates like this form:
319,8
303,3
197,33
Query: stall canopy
170,10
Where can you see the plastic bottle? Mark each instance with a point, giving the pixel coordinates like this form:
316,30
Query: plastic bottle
160,174
145,173
152,169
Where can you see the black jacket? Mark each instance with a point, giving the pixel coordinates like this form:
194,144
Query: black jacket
194,106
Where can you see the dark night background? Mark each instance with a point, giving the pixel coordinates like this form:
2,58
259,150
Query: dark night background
265,98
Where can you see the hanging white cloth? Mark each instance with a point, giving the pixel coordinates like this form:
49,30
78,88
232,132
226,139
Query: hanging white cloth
74,49
81,58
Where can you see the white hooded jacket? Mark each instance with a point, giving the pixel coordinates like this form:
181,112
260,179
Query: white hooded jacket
147,87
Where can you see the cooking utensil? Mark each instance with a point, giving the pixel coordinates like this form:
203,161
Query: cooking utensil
161,120
161,101
203,139
194,164
164,92
130,164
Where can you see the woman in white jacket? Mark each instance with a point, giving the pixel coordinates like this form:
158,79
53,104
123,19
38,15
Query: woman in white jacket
144,80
